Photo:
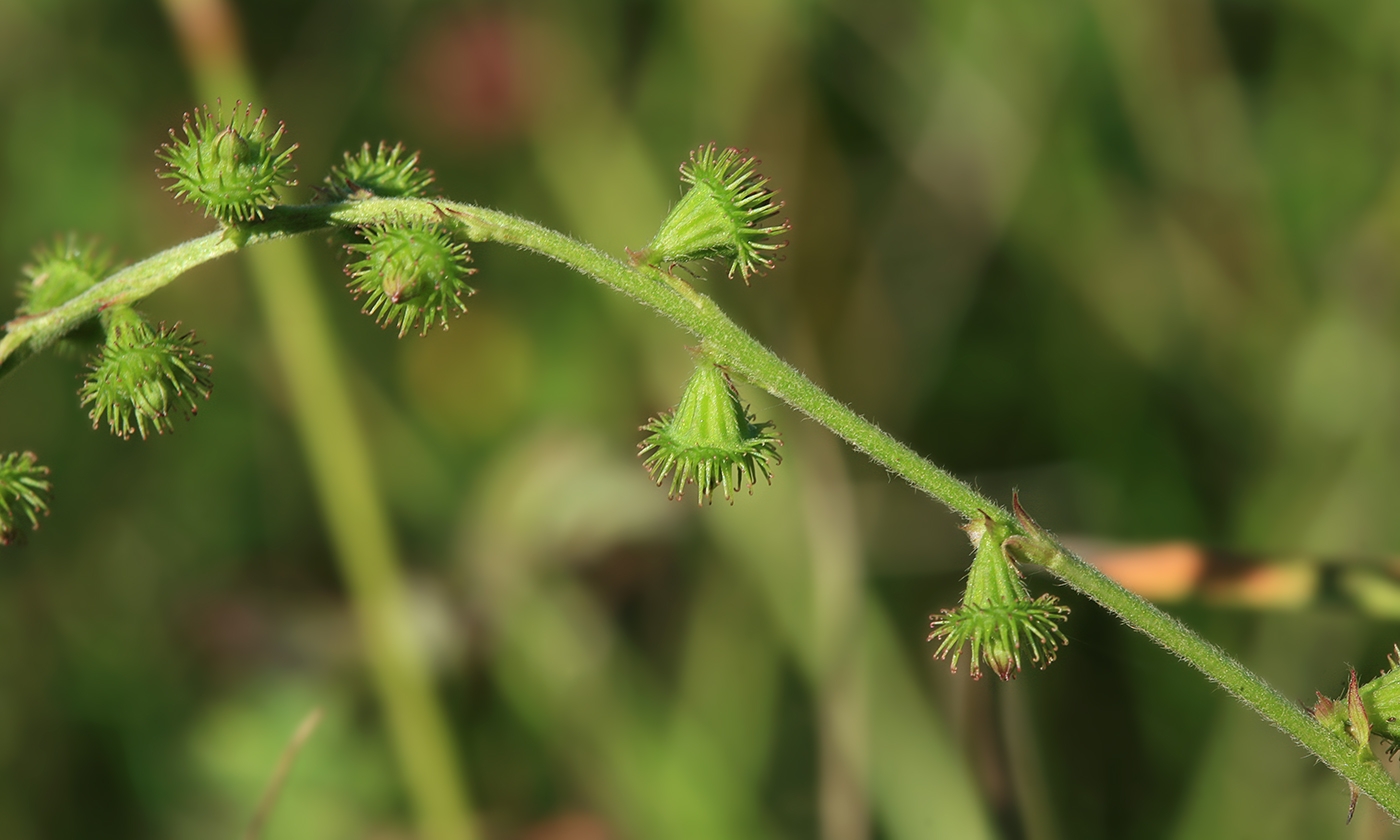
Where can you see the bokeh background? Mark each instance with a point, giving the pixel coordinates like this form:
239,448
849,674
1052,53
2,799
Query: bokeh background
1134,259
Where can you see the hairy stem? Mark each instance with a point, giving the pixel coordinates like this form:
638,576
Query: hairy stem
1336,752
333,443
29,334
731,346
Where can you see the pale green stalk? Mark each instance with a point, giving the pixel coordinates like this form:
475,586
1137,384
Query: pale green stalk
1338,753
726,343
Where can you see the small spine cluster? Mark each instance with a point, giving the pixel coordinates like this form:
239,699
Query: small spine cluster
411,273
140,374
61,271
709,440
24,494
721,216
387,172
998,619
143,374
230,170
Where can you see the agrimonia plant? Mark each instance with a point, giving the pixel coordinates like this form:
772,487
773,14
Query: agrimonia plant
409,261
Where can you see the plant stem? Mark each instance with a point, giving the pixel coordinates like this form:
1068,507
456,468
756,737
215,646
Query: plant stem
336,450
1336,752
726,342
29,334
731,346
338,458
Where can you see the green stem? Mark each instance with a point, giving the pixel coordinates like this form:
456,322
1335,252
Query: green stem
337,455
731,346
29,334
1338,753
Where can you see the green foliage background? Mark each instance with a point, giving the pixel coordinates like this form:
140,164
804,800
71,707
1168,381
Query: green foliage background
1135,259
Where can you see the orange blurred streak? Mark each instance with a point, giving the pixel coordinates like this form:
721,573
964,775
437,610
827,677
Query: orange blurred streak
1165,572
1176,571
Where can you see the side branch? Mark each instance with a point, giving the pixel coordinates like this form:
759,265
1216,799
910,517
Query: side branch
728,344
1214,663
670,296
29,334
